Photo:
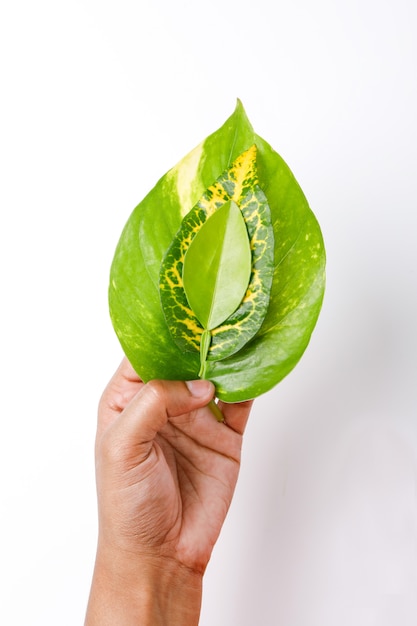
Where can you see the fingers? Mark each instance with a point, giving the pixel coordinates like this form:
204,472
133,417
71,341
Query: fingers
236,415
152,406
122,387
140,411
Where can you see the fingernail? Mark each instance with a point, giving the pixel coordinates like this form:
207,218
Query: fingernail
199,388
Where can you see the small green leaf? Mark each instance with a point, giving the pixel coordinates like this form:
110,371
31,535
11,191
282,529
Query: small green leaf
217,266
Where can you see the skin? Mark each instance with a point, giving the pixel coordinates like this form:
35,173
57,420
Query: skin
166,470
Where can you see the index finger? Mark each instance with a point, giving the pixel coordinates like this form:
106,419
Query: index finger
122,387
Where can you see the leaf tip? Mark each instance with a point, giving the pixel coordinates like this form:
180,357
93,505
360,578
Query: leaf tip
239,106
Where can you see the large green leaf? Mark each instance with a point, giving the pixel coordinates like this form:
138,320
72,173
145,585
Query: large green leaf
298,278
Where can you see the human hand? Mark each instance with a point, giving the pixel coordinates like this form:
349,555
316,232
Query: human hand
166,472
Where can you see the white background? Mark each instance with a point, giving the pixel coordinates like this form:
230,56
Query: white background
98,100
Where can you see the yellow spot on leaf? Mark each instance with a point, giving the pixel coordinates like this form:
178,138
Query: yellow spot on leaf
244,169
189,186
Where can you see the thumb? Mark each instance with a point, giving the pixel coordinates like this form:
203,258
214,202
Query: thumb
149,410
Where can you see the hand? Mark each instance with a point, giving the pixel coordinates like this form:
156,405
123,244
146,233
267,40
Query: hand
166,472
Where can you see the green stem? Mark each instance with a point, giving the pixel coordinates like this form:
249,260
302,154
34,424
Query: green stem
216,411
205,342
204,348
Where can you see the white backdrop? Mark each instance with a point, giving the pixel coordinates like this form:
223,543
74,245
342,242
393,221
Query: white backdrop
98,100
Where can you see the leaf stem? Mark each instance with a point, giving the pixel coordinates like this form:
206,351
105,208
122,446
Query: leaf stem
204,348
205,342
216,411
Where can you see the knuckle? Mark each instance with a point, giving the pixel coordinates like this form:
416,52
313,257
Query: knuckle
156,388
112,451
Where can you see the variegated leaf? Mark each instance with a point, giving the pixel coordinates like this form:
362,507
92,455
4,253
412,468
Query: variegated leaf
240,184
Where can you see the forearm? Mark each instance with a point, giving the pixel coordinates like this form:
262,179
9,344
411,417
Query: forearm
127,592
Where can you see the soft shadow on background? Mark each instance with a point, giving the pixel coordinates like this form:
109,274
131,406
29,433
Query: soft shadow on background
98,101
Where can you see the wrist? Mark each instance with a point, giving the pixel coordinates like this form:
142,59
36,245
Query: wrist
128,590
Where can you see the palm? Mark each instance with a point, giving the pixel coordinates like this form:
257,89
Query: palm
186,478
